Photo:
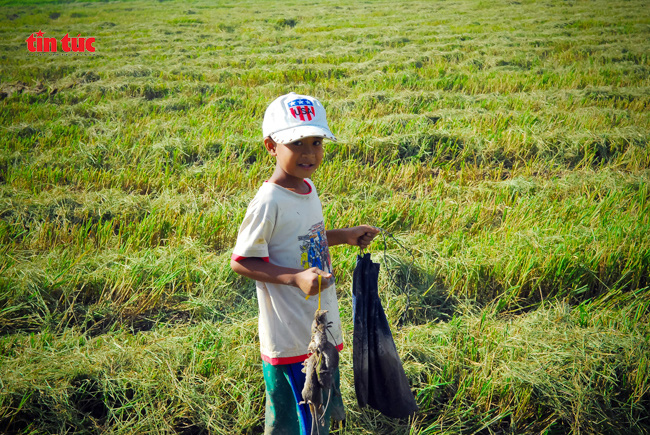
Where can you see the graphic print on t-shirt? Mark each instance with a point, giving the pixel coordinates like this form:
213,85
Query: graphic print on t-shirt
313,249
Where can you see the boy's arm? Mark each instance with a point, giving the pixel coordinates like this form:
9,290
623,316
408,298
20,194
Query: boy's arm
360,236
259,270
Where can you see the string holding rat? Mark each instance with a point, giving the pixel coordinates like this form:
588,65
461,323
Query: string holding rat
319,367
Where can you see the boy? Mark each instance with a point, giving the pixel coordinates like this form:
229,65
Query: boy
283,245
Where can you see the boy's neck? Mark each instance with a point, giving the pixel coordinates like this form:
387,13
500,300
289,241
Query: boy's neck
289,182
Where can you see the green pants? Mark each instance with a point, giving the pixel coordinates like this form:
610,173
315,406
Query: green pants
284,416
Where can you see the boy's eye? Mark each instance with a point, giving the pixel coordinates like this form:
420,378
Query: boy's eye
315,143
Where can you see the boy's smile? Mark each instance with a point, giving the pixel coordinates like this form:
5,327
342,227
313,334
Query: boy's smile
295,161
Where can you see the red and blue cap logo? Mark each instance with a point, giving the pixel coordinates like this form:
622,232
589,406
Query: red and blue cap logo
302,109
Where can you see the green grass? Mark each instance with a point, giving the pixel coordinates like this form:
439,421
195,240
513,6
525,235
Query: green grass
504,143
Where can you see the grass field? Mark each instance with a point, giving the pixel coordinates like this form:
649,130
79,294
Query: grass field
504,143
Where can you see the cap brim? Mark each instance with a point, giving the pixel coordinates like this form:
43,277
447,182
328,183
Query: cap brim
293,134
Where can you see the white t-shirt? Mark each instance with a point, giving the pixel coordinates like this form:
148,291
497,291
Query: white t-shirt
287,229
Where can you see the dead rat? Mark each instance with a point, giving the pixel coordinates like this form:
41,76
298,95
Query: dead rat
319,369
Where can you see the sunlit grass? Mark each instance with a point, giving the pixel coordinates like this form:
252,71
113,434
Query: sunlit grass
504,143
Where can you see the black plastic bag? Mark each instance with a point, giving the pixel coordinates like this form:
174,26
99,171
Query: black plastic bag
379,378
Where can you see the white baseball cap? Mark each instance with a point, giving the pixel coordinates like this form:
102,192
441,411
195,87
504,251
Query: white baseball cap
292,117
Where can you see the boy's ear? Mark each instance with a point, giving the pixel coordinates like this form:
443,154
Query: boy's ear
270,145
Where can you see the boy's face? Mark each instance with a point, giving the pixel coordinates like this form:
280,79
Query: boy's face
298,159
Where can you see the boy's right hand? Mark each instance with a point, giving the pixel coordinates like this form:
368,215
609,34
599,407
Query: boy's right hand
307,280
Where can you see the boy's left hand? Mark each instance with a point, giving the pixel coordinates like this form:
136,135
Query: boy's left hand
360,236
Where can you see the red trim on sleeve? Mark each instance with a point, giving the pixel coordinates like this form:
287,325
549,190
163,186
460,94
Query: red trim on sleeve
239,258
291,359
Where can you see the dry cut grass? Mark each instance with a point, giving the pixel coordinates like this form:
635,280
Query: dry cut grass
504,143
